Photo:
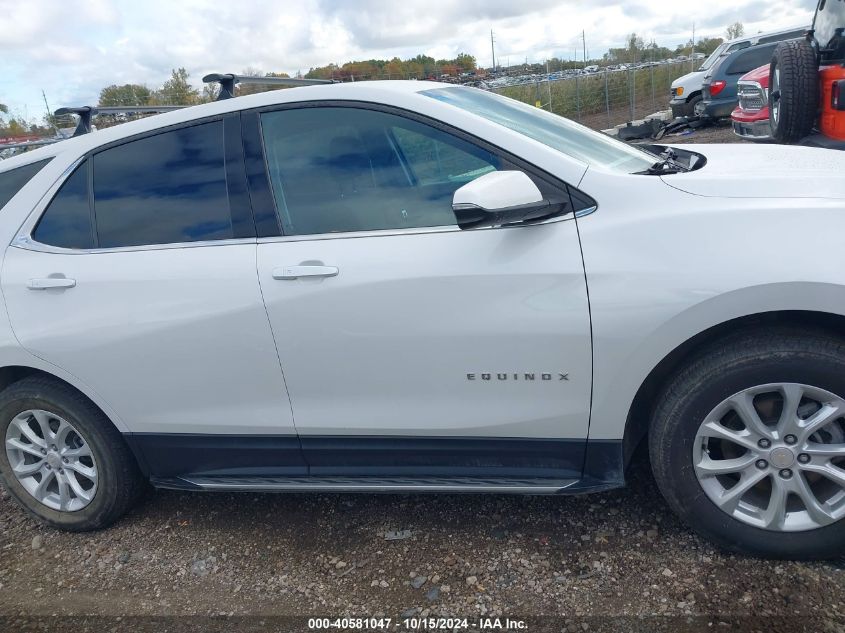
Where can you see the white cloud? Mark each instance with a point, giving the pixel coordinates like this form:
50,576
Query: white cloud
72,50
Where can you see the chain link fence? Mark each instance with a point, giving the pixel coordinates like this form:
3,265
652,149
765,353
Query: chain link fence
604,99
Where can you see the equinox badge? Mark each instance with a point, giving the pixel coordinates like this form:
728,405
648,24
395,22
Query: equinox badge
526,377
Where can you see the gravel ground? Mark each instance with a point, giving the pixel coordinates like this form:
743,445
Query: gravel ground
617,561
611,561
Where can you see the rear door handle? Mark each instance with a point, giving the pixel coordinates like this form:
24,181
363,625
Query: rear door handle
50,282
295,272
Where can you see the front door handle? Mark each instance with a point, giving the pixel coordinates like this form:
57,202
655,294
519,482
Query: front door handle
295,272
50,282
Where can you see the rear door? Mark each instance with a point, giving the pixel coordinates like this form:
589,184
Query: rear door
411,347
139,279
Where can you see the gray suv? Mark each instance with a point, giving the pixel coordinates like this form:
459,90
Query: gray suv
719,91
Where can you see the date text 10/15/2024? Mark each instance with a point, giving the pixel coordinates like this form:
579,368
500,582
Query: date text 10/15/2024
416,624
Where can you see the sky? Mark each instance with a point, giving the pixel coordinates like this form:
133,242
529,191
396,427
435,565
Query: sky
73,49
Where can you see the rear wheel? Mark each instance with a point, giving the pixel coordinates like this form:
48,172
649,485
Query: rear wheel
748,445
63,461
793,91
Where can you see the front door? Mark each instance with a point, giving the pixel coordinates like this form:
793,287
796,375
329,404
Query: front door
410,347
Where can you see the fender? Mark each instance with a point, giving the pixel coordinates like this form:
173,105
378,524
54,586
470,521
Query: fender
614,390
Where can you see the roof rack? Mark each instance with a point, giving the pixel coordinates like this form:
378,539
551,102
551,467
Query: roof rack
85,113
227,82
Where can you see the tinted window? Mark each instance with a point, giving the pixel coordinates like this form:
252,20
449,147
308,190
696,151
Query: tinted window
166,188
67,221
829,17
750,59
346,169
13,180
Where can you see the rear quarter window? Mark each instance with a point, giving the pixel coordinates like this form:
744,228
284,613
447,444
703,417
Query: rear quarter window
748,60
13,180
67,221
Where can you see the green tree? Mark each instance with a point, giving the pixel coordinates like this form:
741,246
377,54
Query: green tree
127,94
465,62
707,45
735,30
177,90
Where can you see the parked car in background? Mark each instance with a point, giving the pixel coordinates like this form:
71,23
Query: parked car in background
719,90
807,78
687,90
750,118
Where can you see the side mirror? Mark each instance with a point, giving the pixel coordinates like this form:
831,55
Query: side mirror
500,197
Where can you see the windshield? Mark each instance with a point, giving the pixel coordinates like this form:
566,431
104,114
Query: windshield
561,134
713,57
830,16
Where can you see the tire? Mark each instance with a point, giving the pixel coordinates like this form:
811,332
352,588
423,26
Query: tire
119,482
793,91
739,363
689,106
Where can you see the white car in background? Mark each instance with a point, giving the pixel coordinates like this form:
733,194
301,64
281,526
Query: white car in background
405,286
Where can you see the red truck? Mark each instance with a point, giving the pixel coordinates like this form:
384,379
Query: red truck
751,116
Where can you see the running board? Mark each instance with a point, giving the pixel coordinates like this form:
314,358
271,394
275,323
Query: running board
533,486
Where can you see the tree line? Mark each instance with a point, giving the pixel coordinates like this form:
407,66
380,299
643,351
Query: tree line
178,89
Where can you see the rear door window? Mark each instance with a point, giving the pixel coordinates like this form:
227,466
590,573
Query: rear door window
163,189
13,180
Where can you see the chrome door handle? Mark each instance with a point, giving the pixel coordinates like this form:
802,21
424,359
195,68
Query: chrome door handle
50,282
295,272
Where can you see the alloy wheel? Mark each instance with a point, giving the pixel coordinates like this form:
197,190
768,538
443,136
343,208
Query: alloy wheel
773,456
51,460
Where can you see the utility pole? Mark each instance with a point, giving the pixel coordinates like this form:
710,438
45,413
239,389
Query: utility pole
692,52
493,50
49,114
584,42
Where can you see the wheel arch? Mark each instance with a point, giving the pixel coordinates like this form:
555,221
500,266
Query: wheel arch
639,414
693,95
10,374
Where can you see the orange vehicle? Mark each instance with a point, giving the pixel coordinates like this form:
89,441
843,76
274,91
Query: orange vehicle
807,83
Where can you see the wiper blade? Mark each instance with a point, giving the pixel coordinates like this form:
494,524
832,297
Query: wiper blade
666,165
663,167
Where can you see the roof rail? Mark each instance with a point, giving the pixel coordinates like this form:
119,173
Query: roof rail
85,113
26,144
227,82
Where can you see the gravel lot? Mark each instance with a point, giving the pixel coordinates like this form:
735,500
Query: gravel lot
612,561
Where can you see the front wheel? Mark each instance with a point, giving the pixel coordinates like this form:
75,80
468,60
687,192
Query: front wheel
748,445
63,461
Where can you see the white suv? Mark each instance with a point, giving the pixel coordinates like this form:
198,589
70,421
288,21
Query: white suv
405,286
